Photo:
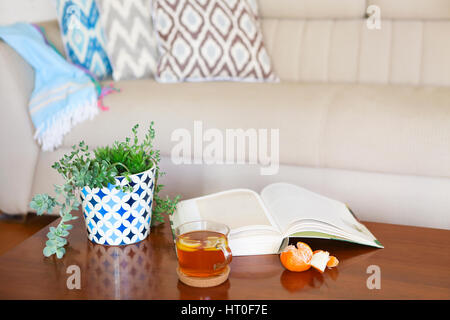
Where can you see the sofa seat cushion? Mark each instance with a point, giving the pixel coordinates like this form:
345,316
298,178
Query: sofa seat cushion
377,128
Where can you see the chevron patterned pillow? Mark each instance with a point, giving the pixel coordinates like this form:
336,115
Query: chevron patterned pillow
204,40
82,35
131,43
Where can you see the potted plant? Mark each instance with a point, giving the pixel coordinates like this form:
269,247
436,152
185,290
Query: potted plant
117,187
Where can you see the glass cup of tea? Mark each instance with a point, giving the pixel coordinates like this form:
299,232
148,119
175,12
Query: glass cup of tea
202,248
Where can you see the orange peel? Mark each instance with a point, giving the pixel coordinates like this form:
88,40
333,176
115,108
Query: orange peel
332,262
319,260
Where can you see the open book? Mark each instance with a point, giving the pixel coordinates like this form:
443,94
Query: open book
263,224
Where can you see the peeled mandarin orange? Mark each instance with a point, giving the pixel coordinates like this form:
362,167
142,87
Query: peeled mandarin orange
301,246
297,259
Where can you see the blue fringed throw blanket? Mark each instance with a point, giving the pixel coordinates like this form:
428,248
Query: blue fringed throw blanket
63,94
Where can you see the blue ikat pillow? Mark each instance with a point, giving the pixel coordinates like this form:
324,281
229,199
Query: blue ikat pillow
83,36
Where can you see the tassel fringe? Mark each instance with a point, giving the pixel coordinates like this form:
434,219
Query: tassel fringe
61,123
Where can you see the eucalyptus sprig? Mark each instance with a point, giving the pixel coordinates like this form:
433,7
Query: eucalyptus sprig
80,168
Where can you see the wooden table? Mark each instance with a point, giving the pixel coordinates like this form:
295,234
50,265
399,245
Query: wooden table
415,264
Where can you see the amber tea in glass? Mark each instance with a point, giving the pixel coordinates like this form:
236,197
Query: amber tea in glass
202,248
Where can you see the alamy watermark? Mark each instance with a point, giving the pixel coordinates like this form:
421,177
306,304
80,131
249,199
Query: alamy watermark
232,146
373,21
374,280
74,280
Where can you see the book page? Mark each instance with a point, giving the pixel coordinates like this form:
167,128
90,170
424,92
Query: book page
289,204
239,209
236,209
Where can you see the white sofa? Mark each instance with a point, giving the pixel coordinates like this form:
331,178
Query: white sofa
363,114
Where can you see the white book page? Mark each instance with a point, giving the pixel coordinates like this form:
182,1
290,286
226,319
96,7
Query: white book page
186,211
290,204
311,226
239,209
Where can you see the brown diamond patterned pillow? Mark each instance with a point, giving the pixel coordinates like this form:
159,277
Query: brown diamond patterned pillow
203,40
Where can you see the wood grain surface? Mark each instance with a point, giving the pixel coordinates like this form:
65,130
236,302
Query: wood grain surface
415,264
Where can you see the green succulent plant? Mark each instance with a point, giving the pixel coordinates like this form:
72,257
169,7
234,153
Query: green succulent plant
82,168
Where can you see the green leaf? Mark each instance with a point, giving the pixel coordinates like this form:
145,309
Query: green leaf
60,252
64,233
51,243
67,217
51,236
61,242
48,251
42,203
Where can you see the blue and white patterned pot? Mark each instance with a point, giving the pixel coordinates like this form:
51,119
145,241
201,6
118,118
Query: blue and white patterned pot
114,217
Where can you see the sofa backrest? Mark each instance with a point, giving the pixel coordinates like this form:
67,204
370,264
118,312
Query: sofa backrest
329,41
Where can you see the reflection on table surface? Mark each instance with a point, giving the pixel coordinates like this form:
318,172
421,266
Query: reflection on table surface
119,272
